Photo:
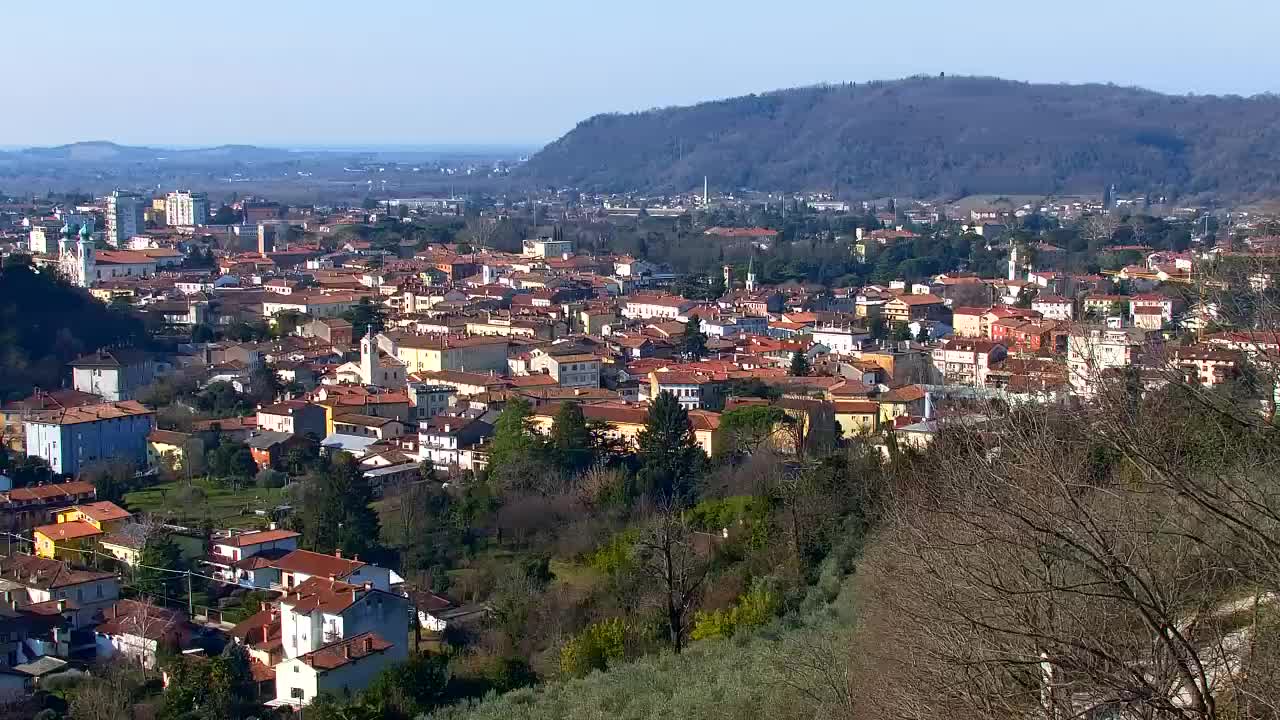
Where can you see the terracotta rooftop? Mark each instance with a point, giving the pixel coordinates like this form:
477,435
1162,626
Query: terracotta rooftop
74,530
93,413
335,655
256,538
317,564
103,511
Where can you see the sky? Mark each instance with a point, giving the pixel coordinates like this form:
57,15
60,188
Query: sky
420,72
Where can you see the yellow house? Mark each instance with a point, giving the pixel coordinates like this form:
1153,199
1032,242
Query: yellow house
857,417
77,529
625,422
162,443
905,400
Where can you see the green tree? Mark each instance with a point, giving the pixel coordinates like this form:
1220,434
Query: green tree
571,439
879,328
162,565
744,429
670,459
514,442
336,513
363,316
799,364
693,343
901,332
408,689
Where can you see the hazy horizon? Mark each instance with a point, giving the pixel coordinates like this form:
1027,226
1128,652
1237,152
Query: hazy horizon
521,75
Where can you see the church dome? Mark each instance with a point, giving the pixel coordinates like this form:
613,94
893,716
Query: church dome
85,232
66,230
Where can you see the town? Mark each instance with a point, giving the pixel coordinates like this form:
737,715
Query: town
333,441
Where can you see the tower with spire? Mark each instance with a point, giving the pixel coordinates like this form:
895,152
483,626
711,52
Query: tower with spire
751,275
87,267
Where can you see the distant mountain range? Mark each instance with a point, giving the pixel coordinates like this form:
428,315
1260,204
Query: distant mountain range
102,152
929,137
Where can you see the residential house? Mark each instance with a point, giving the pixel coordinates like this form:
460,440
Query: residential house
907,400
169,446
906,308
841,340
647,307
142,631
966,322
113,375
694,389
236,557
12,415
856,417
77,529
22,509
571,370
448,442
39,583
1054,307
1092,350
70,439
293,417
1206,365
961,361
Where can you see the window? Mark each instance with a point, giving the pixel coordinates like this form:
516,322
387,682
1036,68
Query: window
297,693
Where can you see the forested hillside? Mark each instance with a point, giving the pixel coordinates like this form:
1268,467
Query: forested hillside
932,136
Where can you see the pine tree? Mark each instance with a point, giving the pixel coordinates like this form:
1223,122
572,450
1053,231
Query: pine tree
799,364
570,438
336,513
693,343
512,437
162,561
671,460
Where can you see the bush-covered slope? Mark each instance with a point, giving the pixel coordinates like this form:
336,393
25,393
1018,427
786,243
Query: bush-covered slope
932,136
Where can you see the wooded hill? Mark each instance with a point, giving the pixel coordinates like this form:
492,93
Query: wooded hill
927,137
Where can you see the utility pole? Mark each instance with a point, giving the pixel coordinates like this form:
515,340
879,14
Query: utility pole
190,601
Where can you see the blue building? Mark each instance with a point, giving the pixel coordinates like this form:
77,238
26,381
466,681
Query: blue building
72,438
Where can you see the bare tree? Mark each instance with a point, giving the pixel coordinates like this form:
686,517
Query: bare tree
108,694
665,553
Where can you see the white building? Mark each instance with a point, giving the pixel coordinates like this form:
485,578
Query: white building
124,217
841,340
113,375
648,307
547,248
341,669
967,362
578,370
184,207
1054,307
1092,350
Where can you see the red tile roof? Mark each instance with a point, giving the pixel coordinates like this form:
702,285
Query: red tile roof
335,655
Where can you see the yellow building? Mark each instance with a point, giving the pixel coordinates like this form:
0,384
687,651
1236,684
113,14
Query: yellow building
167,443
78,528
857,417
421,353
625,422
905,400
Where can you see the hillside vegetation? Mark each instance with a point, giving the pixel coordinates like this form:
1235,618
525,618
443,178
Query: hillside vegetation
929,137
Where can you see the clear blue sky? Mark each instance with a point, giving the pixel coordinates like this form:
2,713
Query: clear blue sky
301,72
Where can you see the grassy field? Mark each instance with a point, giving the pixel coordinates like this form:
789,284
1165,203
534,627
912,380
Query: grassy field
219,504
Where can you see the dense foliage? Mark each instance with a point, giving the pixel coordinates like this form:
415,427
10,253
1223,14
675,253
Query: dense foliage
931,136
46,323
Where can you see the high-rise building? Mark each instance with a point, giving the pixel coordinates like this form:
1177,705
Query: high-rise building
186,208
124,217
